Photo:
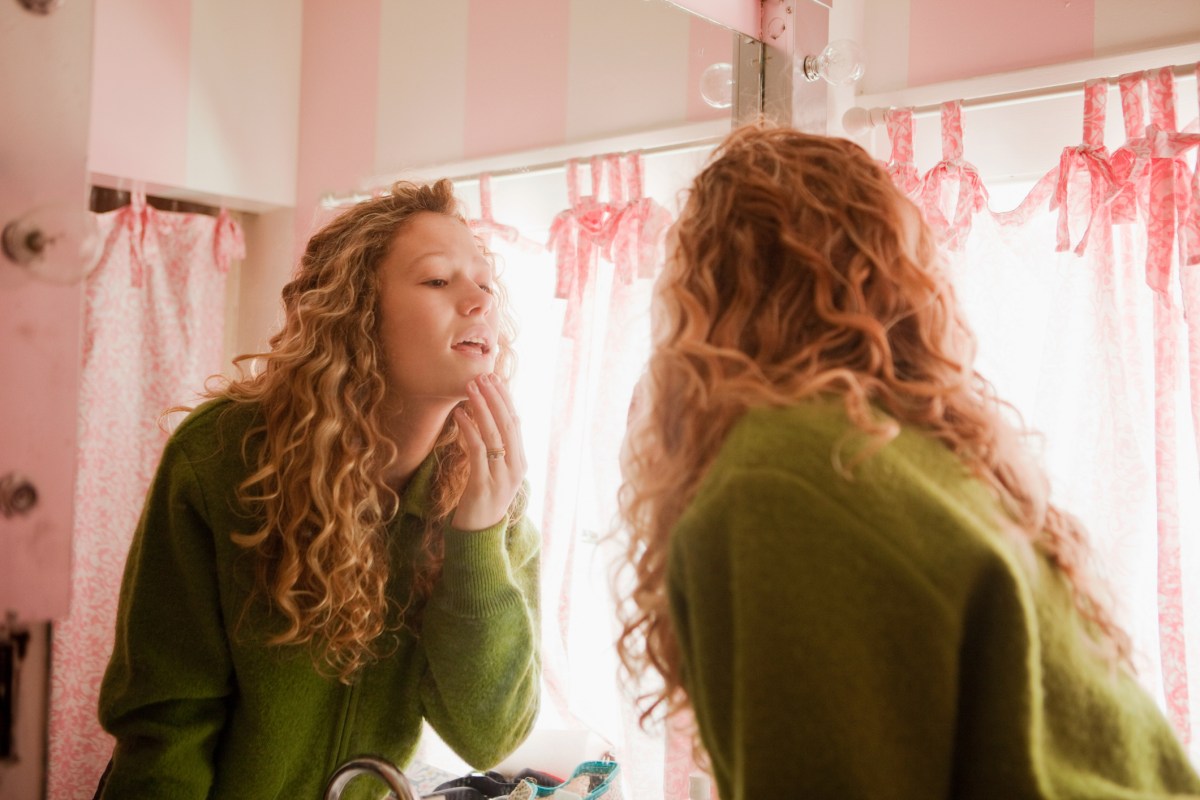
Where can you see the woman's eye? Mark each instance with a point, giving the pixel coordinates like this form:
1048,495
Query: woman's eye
437,283
487,287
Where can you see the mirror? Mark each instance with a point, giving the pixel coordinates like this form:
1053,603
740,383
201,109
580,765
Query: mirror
264,108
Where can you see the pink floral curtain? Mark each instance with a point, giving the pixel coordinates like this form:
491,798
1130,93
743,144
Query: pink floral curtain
154,331
1086,301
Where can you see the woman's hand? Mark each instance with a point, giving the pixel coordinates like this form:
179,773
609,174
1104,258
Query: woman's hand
495,453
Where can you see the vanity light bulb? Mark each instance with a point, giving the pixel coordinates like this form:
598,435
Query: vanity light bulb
716,85
840,63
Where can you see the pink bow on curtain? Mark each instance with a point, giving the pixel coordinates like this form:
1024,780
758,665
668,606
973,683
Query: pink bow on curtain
576,234
1130,167
636,231
952,173
901,166
1150,168
228,242
1088,162
1191,225
137,218
486,227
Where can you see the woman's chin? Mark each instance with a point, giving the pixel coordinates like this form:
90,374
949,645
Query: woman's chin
486,366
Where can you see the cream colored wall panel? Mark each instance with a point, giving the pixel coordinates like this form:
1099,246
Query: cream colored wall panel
138,129
244,100
885,42
627,67
422,83
268,266
1125,25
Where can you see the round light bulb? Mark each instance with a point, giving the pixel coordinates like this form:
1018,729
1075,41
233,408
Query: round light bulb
716,85
840,63
55,243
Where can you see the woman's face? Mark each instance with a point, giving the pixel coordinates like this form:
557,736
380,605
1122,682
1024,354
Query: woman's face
438,316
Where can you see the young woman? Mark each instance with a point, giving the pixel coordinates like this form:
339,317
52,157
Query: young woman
845,563
334,548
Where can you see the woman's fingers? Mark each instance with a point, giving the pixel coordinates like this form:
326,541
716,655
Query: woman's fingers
492,437
484,412
504,420
476,449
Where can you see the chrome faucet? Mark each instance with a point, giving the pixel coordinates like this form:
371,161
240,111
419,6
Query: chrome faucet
385,770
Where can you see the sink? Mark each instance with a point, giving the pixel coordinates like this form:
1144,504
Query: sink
381,768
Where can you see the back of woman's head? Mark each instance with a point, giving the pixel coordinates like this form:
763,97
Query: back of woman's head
797,258
798,270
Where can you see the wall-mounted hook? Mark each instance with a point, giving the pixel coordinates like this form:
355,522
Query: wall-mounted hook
57,243
18,495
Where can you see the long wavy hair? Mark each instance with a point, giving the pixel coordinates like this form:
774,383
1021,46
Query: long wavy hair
319,451
796,270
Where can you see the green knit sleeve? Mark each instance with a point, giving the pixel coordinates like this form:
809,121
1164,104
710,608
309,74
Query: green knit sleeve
820,662
480,636
165,691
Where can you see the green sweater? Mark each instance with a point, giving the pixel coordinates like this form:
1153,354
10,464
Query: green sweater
201,707
882,638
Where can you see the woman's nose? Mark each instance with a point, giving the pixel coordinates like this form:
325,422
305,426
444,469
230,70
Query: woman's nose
476,300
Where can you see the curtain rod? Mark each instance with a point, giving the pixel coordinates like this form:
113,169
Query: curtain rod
1038,83
664,141
104,199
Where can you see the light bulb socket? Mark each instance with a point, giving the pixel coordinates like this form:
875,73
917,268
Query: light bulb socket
811,70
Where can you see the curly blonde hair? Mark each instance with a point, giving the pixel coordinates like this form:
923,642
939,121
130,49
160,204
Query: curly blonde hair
798,269
320,452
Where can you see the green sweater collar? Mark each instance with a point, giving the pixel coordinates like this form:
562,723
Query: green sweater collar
417,495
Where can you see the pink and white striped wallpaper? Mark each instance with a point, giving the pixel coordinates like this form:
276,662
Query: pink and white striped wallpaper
917,42
272,106
330,93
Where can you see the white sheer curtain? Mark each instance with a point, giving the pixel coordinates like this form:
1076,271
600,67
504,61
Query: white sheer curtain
583,311
1086,302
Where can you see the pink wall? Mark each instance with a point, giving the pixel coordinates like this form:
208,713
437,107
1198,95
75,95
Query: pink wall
952,39
339,87
516,75
43,150
912,43
139,120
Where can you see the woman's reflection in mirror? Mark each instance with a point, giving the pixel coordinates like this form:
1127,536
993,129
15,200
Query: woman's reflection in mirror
334,548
